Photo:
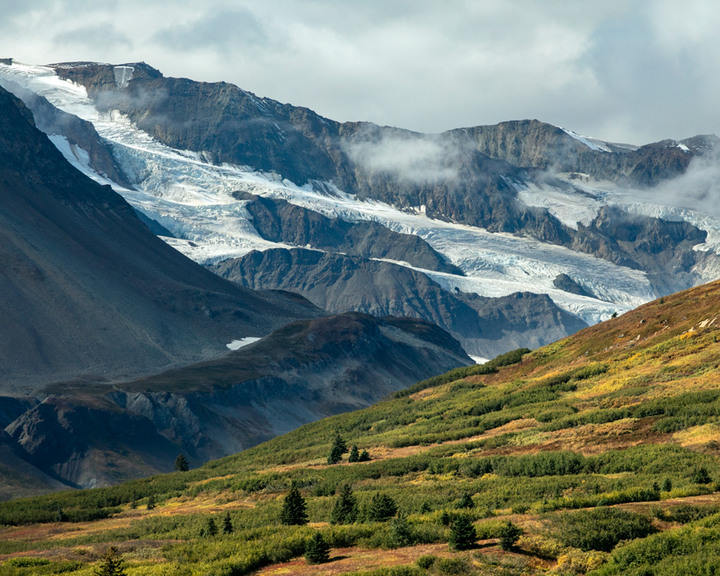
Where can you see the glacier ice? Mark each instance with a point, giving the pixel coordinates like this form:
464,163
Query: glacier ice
193,199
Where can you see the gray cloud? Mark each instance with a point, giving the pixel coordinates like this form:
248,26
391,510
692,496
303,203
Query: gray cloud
87,37
621,71
225,30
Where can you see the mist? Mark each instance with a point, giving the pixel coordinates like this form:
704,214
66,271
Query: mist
697,189
410,157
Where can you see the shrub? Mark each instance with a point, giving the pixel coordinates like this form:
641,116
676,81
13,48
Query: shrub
426,562
600,529
452,566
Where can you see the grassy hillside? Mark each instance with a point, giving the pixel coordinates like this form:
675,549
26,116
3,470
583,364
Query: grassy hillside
601,448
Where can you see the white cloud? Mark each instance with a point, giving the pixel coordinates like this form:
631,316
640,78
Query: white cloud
409,157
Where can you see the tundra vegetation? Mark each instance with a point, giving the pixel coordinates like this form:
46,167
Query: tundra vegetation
595,455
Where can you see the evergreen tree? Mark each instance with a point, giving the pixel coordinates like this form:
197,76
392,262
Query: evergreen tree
338,449
354,454
227,524
509,535
317,550
111,564
294,512
211,528
462,533
181,463
364,456
151,502
345,510
382,508
701,476
667,485
466,501
401,532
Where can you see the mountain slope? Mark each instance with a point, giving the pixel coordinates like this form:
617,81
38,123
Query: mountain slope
93,300
601,448
337,282
89,436
88,291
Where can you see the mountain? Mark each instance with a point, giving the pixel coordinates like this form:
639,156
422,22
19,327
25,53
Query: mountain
220,172
597,454
88,292
338,282
85,436
112,341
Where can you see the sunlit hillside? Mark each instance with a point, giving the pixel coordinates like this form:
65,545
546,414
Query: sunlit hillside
602,449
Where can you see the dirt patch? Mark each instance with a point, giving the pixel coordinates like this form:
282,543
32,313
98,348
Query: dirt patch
344,560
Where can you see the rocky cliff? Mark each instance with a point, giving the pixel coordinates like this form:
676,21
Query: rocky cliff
485,327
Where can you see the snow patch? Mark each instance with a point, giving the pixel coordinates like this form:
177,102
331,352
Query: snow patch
237,344
591,143
123,75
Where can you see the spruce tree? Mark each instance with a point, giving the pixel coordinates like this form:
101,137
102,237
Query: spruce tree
382,508
317,550
211,528
338,449
151,502
294,512
111,564
701,476
345,510
364,456
354,454
181,463
462,533
466,501
401,532
227,524
509,535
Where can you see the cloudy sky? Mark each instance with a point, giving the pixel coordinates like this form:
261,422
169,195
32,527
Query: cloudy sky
623,70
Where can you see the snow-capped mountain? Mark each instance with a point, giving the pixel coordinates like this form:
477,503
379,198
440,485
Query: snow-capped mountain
521,207
117,352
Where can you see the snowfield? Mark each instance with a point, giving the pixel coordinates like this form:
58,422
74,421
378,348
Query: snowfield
193,200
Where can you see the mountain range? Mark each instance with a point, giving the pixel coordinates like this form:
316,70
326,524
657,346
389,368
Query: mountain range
505,236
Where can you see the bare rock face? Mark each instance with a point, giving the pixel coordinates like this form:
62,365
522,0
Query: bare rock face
485,327
280,221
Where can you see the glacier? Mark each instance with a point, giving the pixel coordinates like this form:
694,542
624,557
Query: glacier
192,198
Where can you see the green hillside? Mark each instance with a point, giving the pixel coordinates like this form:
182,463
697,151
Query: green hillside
599,452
